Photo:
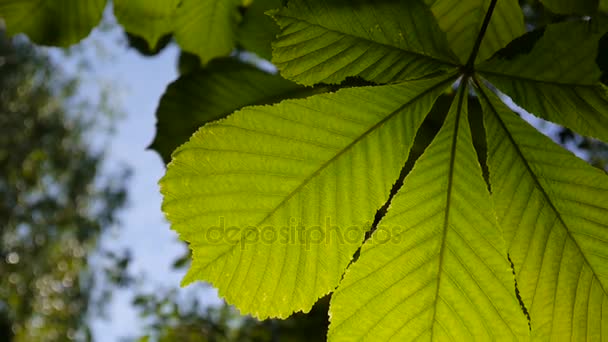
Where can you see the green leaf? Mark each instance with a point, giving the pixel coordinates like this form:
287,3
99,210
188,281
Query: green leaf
275,200
462,21
381,41
211,93
148,19
258,30
553,208
553,73
571,7
207,28
436,268
56,22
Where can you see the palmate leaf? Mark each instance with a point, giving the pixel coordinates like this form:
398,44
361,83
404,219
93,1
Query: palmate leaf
56,22
553,73
214,92
436,267
462,20
553,209
317,168
381,41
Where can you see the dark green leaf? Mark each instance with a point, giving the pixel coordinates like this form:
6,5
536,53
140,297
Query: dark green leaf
212,93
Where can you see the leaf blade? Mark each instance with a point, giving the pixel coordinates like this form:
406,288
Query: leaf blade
150,20
293,176
207,28
462,21
553,73
554,232
319,42
211,93
447,235
56,23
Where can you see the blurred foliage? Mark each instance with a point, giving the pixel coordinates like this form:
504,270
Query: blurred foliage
170,320
54,204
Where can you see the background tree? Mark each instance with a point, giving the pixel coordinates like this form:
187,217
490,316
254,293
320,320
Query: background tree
54,201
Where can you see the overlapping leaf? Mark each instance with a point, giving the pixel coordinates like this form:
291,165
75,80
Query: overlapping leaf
149,19
462,21
381,41
207,28
211,93
436,268
56,22
258,30
274,200
553,208
553,73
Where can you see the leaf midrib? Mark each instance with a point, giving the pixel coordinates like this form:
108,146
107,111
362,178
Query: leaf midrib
446,217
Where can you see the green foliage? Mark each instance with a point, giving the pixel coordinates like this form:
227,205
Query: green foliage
320,41
213,92
483,229
57,22
462,20
572,7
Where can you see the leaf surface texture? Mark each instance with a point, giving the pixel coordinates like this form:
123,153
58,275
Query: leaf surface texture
326,163
462,21
436,267
380,41
553,209
211,93
553,74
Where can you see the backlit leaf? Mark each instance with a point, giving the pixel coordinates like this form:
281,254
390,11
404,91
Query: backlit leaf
150,19
207,28
436,268
381,41
275,200
462,20
211,93
553,73
553,208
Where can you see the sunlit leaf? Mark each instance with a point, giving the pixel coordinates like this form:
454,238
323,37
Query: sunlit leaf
275,200
150,19
381,41
436,268
207,28
212,93
553,208
553,73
